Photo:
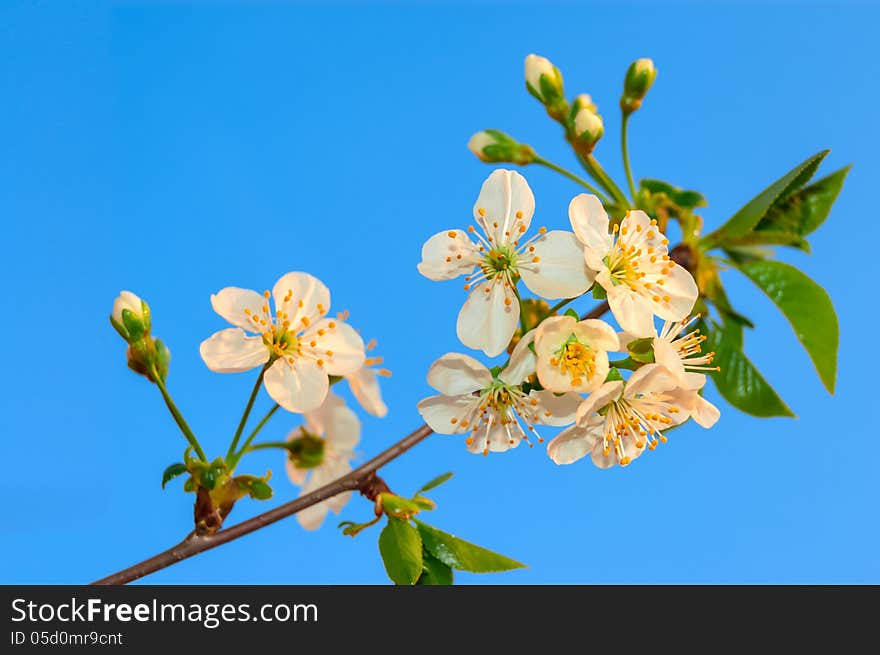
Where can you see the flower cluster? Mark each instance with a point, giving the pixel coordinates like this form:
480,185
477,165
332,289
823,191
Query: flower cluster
302,352
559,372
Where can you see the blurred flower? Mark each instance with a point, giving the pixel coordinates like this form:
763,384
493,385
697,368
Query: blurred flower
302,346
321,452
572,355
551,264
494,409
633,266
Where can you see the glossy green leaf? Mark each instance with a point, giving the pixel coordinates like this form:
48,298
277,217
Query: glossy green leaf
748,217
463,555
434,572
738,380
808,309
401,550
805,210
436,482
172,472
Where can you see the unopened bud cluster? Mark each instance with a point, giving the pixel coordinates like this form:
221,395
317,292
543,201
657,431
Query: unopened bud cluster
132,320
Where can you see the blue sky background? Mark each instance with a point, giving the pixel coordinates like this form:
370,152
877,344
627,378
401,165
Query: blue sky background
174,150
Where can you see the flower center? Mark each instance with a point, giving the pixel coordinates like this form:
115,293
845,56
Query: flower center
307,451
576,360
639,420
499,260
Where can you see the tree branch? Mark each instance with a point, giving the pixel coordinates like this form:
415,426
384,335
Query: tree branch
358,479
194,544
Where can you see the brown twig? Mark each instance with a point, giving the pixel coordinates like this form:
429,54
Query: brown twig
362,478
195,544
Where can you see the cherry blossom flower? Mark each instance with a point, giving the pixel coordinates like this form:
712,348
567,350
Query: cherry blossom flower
551,264
682,355
572,355
493,408
619,421
321,452
298,343
633,266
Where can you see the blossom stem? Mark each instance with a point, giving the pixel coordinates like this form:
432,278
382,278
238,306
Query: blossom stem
178,417
195,544
230,454
571,176
625,154
233,461
562,303
594,168
266,444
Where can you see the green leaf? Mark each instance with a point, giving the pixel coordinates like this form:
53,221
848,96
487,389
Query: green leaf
808,309
738,380
599,292
572,313
436,482
463,555
172,472
681,197
401,549
803,211
434,572
748,217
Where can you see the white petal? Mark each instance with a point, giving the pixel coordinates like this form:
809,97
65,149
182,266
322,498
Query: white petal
299,387
339,469
233,351
522,361
571,444
312,517
303,297
455,374
560,271
364,385
632,311
590,223
597,334
487,321
439,412
607,393
337,344
505,205
232,302
703,412
562,409
336,422
666,355
681,290
445,257
649,379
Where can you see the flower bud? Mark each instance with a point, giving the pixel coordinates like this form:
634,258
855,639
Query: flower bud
639,78
494,146
587,130
130,317
544,81
583,101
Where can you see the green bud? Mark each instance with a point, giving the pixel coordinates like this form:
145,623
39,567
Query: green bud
639,78
306,451
162,358
544,81
494,146
583,101
586,129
